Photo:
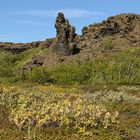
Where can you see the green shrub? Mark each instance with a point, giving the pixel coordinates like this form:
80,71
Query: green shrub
11,64
121,68
42,106
71,74
107,44
7,62
38,75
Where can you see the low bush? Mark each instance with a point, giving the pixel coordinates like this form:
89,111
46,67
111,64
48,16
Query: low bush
7,62
97,115
41,107
38,75
107,44
71,74
121,68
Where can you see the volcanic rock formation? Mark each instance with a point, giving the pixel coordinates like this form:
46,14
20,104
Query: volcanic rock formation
66,37
123,29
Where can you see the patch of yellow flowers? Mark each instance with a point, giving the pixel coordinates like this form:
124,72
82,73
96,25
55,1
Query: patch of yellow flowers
54,106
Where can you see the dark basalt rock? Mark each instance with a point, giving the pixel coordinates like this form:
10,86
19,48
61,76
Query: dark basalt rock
124,29
66,37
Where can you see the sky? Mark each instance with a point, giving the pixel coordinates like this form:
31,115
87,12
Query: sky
33,20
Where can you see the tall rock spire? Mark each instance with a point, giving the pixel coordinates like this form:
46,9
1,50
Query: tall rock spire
65,38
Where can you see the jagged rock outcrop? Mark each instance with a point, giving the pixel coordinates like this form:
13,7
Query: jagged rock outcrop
122,24
117,32
123,29
65,38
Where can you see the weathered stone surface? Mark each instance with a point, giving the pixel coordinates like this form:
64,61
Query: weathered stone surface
65,38
124,29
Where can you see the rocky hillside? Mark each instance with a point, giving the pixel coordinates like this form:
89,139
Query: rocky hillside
21,47
123,30
117,32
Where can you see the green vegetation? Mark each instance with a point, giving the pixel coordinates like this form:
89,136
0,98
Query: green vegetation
107,44
11,64
71,74
38,75
94,99
68,113
48,108
120,68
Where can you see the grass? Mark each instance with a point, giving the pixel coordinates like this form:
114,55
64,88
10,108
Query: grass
120,68
11,64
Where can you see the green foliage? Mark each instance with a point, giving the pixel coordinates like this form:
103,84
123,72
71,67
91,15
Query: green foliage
12,63
107,44
69,113
46,107
38,75
71,74
6,61
121,68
